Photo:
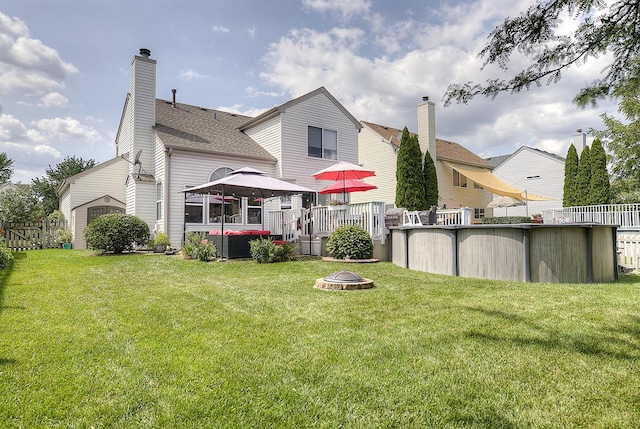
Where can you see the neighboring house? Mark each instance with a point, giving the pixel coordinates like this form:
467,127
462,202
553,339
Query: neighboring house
6,186
163,147
378,148
536,171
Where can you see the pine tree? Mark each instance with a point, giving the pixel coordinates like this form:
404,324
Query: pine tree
583,179
600,187
409,177
430,181
570,177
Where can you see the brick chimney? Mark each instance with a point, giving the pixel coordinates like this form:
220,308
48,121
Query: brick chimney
427,127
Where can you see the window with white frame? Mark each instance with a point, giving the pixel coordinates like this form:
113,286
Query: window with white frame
477,186
478,213
254,210
322,143
459,180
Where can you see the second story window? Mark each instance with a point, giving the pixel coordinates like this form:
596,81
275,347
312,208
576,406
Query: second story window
459,180
322,143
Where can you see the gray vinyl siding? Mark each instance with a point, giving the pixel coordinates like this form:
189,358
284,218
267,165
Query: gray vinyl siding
159,169
103,180
519,171
123,141
318,111
268,135
191,169
65,206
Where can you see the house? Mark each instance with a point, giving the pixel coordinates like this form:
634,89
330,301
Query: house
536,171
164,147
378,147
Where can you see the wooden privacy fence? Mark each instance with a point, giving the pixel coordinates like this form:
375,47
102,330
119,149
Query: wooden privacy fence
31,236
629,248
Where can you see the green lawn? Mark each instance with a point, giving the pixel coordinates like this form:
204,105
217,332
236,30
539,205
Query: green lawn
157,341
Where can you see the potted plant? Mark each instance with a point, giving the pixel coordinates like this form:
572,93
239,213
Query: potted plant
66,238
160,242
536,218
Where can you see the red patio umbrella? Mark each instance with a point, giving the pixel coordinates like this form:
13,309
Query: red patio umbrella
343,171
348,185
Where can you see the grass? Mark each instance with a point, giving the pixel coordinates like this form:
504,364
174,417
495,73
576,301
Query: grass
157,341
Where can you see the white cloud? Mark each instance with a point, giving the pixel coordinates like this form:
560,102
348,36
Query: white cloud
54,99
27,65
191,75
252,32
429,54
254,92
67,129
343,8
220,29
238,109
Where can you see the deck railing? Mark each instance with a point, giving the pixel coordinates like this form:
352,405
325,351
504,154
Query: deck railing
626,216
322,220
461,216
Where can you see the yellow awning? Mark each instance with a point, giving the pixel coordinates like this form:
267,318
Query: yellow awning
485,178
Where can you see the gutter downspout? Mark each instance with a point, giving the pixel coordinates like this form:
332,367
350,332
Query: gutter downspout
165,209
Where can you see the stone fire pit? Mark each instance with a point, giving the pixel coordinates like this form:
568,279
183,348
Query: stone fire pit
343,280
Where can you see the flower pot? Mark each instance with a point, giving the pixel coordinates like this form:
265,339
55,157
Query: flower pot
159,248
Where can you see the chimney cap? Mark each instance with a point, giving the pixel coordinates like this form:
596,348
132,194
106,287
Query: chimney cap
425,98
144,52
579,130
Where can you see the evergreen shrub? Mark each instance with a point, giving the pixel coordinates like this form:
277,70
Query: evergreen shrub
350,242
116,233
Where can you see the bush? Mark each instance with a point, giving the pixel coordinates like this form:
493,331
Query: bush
65,236
161,239
116,232
350,242
266,251
501,220
197,246
6,255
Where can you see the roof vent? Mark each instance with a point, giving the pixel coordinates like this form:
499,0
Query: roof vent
173,103
144,52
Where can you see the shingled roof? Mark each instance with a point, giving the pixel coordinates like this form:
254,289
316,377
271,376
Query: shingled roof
445,150
207,130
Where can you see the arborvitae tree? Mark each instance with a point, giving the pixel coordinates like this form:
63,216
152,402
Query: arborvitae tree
583,179
430,181
409,177
570,177
600,187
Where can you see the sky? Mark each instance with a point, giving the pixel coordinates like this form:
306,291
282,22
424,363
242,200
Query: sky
65,69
